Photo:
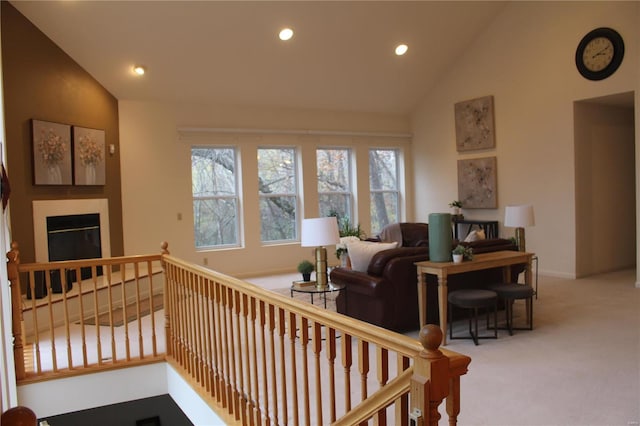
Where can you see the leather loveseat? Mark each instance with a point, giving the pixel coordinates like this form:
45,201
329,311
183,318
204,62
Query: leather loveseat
386,294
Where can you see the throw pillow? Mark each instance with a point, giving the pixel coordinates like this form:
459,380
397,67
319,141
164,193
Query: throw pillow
361,252
475,236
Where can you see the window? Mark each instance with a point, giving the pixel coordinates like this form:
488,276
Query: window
384,188
277,186
334,182
214,185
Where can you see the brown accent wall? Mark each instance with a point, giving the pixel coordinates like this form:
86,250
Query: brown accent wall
42,82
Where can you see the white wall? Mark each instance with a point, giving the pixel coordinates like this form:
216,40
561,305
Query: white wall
156,174
525,59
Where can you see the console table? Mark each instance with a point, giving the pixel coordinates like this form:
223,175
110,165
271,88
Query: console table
490,227
442,270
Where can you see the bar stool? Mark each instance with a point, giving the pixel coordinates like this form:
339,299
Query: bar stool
511,292
473,300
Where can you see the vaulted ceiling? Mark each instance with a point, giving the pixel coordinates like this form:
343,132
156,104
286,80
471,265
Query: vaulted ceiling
228,52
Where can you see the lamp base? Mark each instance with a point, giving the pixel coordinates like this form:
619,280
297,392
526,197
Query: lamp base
321,267
520,239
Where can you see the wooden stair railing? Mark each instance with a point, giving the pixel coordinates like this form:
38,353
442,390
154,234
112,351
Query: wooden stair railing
261,358
85,327
256,357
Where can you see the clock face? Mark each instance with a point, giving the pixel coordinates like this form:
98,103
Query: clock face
599,53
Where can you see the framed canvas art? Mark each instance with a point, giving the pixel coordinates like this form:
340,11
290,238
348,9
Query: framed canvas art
51,153
88,156
475,124
477,183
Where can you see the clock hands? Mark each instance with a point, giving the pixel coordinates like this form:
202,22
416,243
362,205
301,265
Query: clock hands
601,52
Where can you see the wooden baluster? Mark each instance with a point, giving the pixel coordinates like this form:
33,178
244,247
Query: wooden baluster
283,369
234,403
83,337
199,314
209,334
154,349
110,290
13,258
330,337
347,362
304,341
267,320
402,405
243,344
166,294
317,350
123,301
363,366
382,362
453,400
272,359
36,326
430,380
240,400
293,368
65,306
136,273
96,313
220,339
255,402
52,334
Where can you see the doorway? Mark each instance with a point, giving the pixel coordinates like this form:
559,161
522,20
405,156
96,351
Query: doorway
604,132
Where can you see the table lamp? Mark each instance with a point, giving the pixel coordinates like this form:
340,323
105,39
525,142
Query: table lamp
319,232
519,217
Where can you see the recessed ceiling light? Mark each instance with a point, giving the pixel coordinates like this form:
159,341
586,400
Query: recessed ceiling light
286,34
401,49
139,69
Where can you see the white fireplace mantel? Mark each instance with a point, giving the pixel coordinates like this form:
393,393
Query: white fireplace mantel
46,208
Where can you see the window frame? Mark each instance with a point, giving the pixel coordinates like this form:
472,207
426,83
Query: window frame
239,208
295,194
398,184
350,180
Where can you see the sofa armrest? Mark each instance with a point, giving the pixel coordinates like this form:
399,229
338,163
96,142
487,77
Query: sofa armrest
379,260
357,282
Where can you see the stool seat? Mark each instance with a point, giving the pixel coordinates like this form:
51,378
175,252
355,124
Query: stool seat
511,292
472,300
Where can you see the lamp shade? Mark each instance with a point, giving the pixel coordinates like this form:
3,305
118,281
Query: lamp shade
519,216
319,231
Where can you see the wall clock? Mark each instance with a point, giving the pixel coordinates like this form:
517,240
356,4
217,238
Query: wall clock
599,53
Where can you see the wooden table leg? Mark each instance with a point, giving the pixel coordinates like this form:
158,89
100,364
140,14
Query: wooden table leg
422,298
442,304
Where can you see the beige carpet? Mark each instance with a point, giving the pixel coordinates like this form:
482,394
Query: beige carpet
580,365
318,299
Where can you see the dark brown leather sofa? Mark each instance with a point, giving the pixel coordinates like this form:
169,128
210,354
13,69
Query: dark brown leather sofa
387,296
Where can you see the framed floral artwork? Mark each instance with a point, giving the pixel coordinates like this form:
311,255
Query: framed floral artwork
88,156
475,124
51,153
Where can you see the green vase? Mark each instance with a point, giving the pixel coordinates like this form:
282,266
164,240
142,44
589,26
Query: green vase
440,237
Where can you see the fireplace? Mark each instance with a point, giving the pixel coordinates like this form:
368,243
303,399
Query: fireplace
71,229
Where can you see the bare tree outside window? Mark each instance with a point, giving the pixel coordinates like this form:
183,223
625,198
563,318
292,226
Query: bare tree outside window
215,196
277,186
334,182
383,185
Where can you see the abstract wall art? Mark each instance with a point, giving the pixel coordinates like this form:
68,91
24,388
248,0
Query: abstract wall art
477,183
475,124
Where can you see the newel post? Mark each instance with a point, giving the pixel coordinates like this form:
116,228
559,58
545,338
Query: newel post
164,251
13,260
430,380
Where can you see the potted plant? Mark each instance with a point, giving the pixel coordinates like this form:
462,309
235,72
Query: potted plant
456,205
305,268
461,252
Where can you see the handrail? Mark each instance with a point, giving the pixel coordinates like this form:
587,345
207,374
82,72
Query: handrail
255,356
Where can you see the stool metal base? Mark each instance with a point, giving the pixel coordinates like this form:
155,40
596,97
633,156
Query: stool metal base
473,319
